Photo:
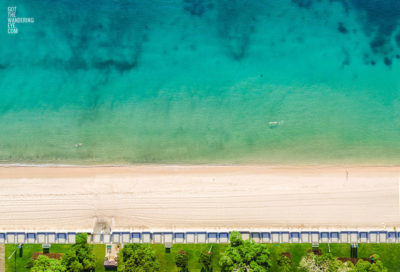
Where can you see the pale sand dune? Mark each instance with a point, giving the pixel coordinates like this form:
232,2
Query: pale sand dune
197,197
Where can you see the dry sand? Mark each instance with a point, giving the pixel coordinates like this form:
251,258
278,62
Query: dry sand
198,197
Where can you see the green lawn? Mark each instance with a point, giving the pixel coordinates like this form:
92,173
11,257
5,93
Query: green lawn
28,249
390,254
99,252
167,260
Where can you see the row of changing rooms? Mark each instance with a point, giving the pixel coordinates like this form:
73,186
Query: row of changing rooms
205,237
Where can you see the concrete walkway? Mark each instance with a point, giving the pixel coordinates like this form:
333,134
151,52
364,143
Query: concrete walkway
2,258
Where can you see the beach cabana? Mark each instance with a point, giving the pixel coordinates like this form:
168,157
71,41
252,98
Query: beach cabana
20,237
158,238
255,236
373,236
314,237
106,238
324,237
11,238
335,238
305,236
201,237
212,237
223,237
265,237
51,237
245,235
391,237
146,237
363,237
61,238
353,237
275,237
344,236
295,237
30,238
41,238
136,237
179,237
116,237
71,237
2,238
285,237
97,238
382,236
125,237
168,237
190,237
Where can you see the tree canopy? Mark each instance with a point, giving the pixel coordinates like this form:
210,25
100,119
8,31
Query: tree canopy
80,257
205,259
375,266
181,260
284,264
137,257
45,264
313,263
245,255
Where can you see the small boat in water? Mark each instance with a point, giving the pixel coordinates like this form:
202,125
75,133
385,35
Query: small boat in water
274,124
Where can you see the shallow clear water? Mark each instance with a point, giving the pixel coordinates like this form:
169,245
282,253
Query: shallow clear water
198,81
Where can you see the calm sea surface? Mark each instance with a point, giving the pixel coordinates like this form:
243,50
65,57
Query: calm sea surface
201,81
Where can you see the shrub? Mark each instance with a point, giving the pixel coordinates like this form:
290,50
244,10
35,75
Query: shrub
245,256
181,260
137,257
206,259
45,264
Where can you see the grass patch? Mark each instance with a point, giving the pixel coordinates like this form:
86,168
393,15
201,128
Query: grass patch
296,250
99,252
29,249
388,252
20,262
167,260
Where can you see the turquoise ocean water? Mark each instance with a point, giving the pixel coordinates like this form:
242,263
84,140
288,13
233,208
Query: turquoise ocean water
199,81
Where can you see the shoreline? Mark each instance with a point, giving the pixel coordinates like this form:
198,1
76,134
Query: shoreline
276,165
68,170
199,196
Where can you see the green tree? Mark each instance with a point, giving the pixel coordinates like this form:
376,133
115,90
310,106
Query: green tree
245,256
79,258
45,264
235,238
284,264
137,257
181,260
328,263
375,266
206,259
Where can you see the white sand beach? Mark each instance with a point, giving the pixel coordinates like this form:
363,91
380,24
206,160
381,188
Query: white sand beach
198,197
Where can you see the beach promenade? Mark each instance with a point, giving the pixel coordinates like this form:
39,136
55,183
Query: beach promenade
199,197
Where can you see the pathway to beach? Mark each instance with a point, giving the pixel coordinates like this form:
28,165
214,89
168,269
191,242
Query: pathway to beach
197,197
2,258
